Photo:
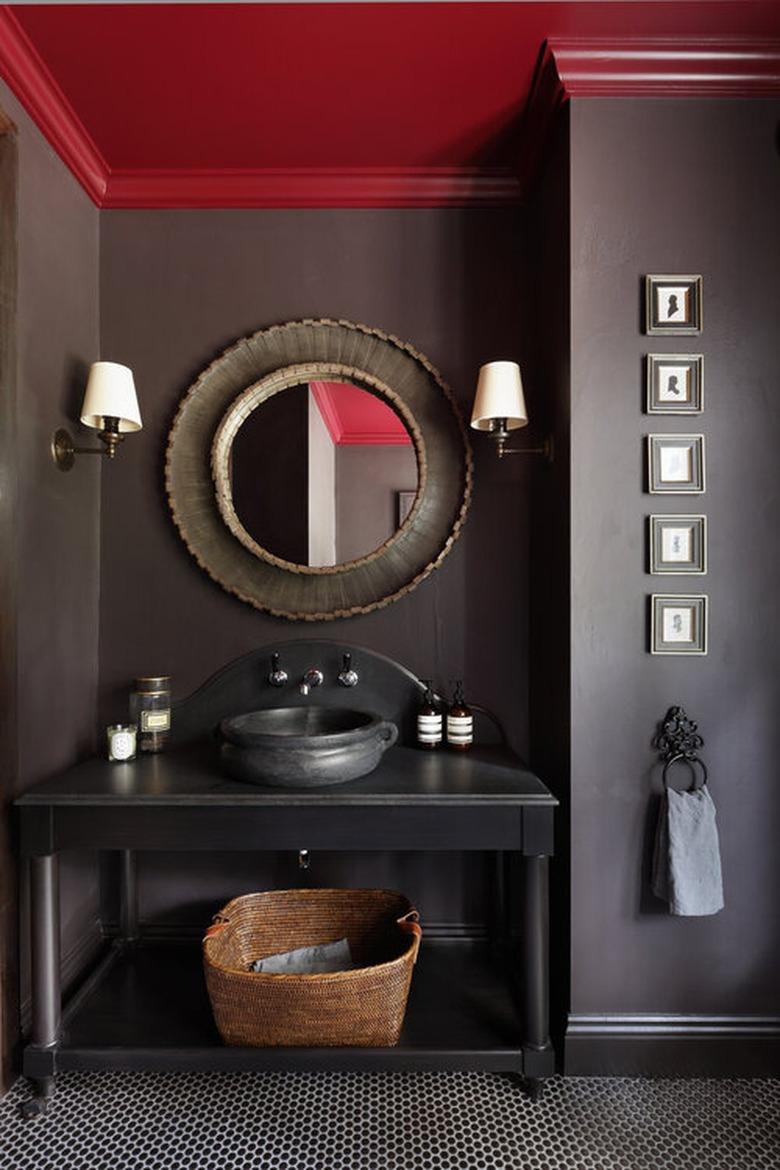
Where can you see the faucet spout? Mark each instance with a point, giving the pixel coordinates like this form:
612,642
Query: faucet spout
312,678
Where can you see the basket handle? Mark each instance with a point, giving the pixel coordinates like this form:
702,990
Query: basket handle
218,923
410,923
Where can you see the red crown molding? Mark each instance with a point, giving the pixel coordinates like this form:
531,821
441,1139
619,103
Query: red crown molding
650,67
315,187
25,73
657,67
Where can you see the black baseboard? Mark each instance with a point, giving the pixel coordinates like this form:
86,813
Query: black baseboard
672,1046
179,931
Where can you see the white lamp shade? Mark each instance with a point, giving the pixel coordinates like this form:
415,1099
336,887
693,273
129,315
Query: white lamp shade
110,393
499,395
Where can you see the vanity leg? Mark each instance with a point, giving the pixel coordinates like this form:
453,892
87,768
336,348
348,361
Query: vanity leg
45,977
128,895
538,1055
498,910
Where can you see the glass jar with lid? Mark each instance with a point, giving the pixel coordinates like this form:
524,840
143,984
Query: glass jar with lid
150,710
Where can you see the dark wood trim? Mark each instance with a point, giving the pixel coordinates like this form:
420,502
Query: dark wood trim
9,973
672,1045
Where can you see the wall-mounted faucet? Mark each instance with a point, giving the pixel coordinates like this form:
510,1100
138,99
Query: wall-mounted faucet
277,677
348,676
312,678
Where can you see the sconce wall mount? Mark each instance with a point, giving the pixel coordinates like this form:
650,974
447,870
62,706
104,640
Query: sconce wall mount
110,407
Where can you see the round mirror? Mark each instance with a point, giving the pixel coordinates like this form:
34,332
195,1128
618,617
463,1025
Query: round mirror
320,475
318,469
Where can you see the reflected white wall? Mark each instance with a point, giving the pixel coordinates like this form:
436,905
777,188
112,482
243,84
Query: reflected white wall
322,490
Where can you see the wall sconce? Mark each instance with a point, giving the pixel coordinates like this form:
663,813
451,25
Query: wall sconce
499,408
110,406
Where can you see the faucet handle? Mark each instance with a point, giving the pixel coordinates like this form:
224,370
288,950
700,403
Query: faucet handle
277,677
348,676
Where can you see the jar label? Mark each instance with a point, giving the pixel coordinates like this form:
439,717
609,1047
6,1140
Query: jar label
155,720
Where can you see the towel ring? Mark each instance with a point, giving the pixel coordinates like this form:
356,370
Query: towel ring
681,758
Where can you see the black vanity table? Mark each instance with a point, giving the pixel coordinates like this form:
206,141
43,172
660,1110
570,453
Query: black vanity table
145,1006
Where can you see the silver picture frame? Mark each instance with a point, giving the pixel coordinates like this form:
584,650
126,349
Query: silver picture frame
675,383
677,544
678,623
675,464
673,305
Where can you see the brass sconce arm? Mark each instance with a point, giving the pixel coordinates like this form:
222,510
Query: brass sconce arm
64,451
500,434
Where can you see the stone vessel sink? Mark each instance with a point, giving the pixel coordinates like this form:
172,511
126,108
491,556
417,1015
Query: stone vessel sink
304,747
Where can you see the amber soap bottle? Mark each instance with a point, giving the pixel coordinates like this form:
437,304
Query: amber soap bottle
429,720
460,722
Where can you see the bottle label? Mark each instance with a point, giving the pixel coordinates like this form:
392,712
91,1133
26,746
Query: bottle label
460,729
429,728
155,720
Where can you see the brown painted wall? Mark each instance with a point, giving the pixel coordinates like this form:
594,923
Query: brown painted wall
178,287
57,516
689,187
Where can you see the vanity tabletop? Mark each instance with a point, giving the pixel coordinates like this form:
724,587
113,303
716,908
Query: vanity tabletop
191,776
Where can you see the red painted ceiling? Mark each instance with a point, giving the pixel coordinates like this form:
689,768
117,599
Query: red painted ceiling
354,416
220,88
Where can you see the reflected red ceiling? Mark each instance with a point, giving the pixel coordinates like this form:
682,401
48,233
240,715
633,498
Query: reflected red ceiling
354,416
161,94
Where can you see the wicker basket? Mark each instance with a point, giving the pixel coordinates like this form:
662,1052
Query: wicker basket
359,1008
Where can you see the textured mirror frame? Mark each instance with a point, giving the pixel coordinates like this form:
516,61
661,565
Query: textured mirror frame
198,450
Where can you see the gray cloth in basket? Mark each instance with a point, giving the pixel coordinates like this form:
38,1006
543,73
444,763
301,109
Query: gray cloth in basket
320,960
686,861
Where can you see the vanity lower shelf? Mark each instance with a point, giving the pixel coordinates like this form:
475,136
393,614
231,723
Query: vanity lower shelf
146,1006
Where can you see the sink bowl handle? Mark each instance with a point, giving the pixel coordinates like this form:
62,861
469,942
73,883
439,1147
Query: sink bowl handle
388,733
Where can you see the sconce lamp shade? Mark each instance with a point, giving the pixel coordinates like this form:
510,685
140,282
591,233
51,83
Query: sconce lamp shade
499,396
111,393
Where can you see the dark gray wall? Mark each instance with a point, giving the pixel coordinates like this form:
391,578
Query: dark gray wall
178,287
57,516
674,187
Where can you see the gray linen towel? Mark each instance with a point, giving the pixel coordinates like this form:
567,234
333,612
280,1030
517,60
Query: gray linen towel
686,861
318,960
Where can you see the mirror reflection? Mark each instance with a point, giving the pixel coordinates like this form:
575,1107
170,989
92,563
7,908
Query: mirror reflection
323,473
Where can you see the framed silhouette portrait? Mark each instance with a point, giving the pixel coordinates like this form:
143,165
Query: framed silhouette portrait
673,304
675,383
